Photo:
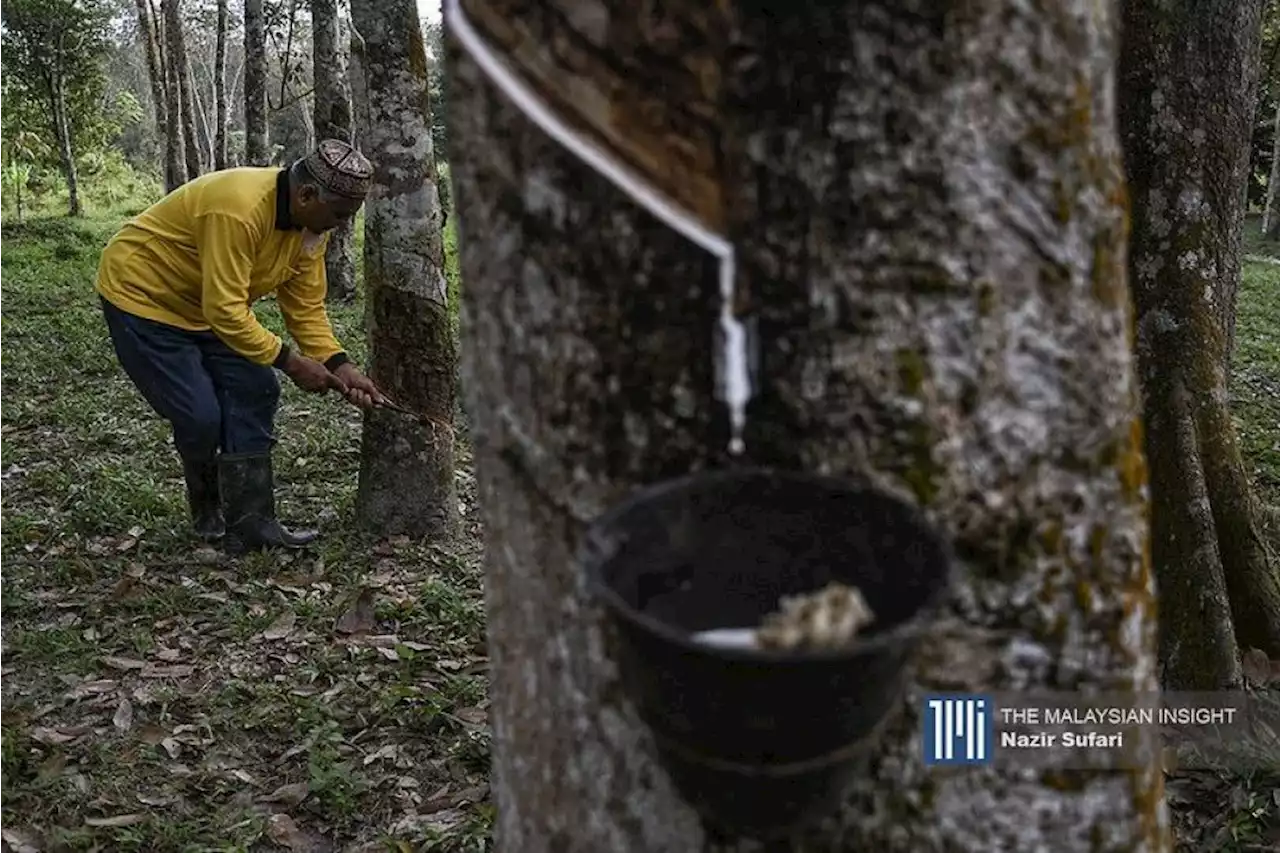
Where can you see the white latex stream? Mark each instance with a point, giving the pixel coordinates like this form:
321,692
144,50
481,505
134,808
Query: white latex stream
734,381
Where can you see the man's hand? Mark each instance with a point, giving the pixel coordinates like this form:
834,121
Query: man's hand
310,375
360,388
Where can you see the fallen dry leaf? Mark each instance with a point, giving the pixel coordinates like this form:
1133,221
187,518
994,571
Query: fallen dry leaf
282,627
172,747
157,800
52,767
289,795
475,716
115,820
1256,666
180,670
123,663
21,840
52,737
359,616
389,654
283,831
123,718
91,688
152,735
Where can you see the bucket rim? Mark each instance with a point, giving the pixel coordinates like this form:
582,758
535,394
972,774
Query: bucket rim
597,547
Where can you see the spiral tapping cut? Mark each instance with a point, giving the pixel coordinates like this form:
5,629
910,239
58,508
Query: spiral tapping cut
825,619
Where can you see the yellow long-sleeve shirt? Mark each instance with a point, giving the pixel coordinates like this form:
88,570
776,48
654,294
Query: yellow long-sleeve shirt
200,257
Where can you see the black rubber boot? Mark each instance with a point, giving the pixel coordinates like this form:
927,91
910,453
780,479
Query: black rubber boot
249,503
203,498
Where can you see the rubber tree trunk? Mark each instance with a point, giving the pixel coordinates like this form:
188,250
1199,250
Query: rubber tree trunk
406,466
176,172
333,120
180,75
255,85
1271,215
1187,160
66,143
928,210
220,89
155,66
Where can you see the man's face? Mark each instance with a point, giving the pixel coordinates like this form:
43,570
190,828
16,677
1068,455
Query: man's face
318,214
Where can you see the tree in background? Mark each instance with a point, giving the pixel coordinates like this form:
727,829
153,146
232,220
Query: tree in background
220,88
406,467
333,120
149,35
256,152
182,97
54,49
928,211
1187,159
177,168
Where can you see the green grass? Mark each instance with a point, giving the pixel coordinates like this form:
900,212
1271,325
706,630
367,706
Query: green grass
384,738
1255,382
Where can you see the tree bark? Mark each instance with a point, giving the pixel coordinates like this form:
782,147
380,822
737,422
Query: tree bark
204,135
1186,155
255,85
333,120
176,173
927,203
1271,215
406,467
66,144
155,66
359,94
178,46
220,89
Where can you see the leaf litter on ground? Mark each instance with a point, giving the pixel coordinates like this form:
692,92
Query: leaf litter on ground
160,695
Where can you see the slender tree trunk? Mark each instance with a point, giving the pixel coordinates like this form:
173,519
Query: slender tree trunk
204,139
255,84
333,120
176,173
406,467
1271,214
306,113
1186,165
235,95
359,94
182,70
155,66
927,207
220,89
66,145
175,168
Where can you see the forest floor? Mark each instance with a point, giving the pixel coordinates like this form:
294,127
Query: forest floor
159,698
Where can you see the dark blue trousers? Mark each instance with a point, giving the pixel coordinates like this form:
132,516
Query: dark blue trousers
213,397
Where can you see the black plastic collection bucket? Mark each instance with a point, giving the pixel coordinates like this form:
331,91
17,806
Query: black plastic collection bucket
762,741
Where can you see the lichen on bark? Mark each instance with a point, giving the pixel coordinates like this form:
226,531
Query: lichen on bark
1219,587
926,207
406,464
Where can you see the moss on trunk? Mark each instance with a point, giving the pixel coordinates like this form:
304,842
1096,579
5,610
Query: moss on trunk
1185,267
